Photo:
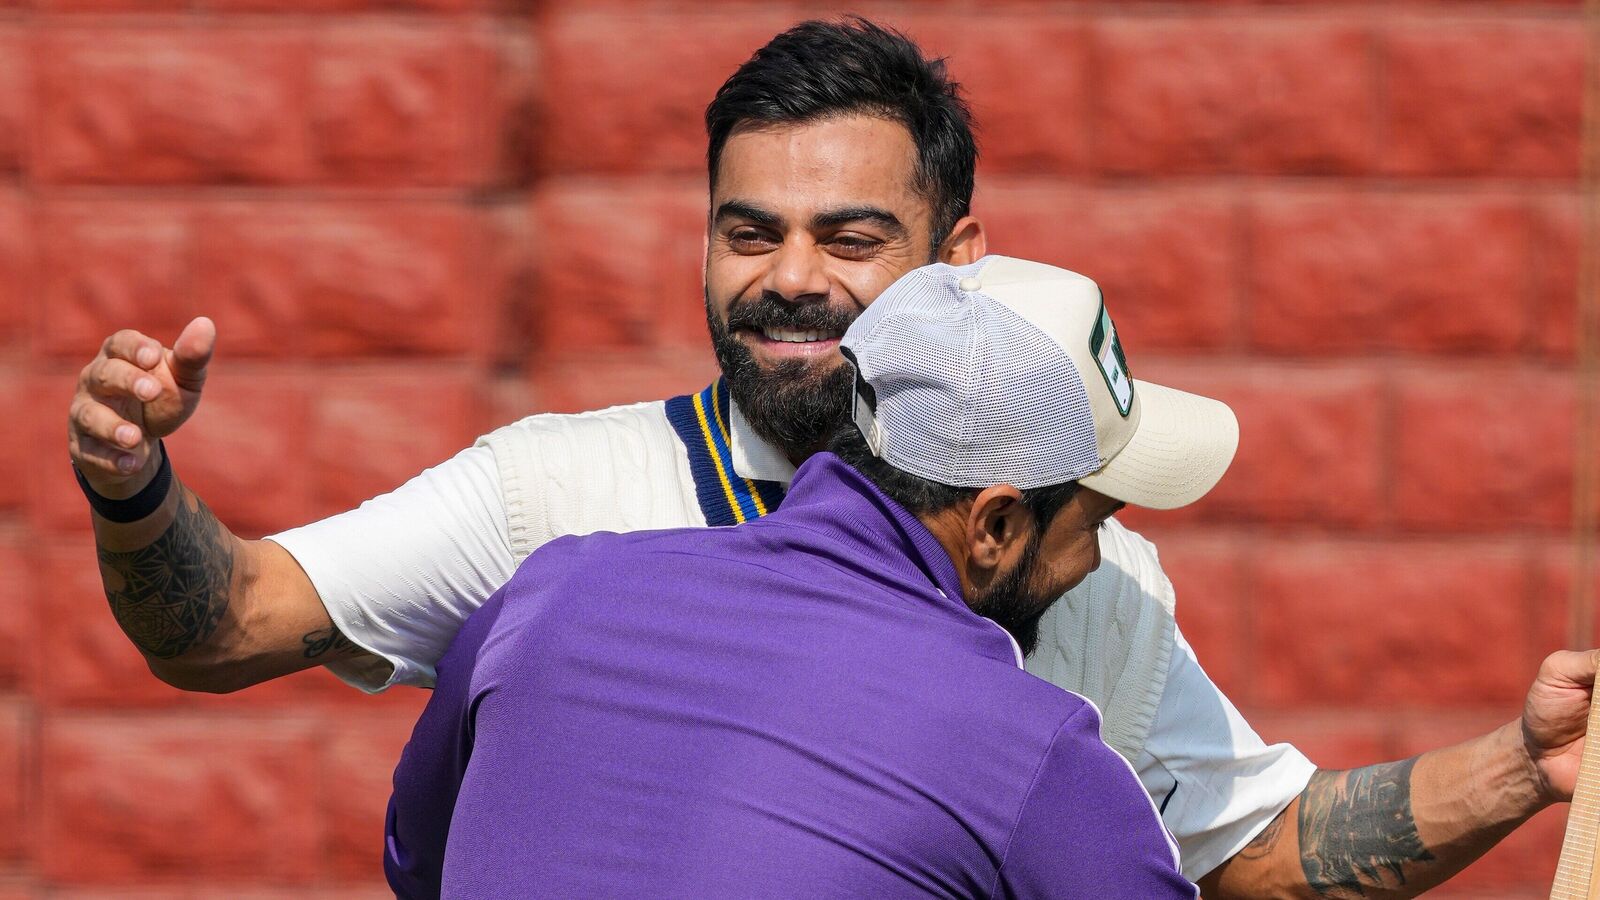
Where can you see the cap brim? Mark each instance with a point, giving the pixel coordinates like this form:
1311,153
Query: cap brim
1180,450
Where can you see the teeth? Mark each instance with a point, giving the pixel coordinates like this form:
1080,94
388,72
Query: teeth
792,336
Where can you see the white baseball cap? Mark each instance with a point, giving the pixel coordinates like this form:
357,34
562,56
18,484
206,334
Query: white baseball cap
1010,372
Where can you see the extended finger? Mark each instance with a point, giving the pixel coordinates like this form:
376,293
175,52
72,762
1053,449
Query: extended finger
134,347
95,419
120,378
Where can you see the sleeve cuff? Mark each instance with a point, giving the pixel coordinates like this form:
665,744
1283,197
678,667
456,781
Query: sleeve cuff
1295,770
372,674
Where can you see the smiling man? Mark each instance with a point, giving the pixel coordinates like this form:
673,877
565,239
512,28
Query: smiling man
839,160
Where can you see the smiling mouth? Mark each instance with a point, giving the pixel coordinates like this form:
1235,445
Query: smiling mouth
796,336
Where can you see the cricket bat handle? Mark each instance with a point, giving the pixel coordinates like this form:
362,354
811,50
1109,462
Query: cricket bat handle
1578,873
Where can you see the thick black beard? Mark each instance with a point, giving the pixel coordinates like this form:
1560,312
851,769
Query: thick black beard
1014,603
797,405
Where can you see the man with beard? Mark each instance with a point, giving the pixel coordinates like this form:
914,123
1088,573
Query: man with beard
615,722
839,160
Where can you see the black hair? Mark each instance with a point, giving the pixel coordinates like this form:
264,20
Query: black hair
816,69
921,496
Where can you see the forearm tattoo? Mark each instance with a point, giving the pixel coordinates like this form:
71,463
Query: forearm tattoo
324,639
170,595
1357,830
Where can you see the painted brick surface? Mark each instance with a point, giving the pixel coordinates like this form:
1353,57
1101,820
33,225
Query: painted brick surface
1469,98
1391,604
17,624
1463,464
1360,271
356,785
402,423
594,298
414,220
16,267
172,106
17,779
107,266
15,87
1206,95
1167,261
342,280
118,793
1037,118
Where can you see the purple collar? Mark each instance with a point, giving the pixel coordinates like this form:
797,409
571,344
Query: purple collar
830,497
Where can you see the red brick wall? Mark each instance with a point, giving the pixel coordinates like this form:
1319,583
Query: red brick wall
1357,222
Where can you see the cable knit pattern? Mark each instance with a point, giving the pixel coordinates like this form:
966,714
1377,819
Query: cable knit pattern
617,469
1110,638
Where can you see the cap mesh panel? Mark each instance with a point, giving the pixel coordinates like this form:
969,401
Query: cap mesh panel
969,392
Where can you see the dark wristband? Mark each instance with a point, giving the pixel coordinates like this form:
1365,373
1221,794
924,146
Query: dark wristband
140,505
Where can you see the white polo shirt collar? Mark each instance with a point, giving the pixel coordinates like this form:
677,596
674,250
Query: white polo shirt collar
752,456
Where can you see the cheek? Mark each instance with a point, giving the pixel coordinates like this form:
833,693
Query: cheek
864,281
1073,562
729,276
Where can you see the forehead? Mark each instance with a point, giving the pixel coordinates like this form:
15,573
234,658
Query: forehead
834,162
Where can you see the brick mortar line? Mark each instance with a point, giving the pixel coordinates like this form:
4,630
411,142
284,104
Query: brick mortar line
1523,543
1249,186
1472,11
314,23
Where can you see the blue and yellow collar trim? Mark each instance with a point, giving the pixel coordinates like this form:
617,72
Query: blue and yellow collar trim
701,421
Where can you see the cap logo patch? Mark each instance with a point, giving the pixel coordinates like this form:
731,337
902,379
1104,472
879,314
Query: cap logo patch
1106,348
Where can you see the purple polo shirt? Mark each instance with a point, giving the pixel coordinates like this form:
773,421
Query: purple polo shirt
800,706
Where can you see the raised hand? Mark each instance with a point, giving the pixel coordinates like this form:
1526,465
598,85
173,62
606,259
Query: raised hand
132,393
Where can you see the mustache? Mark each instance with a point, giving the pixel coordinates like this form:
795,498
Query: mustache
772,311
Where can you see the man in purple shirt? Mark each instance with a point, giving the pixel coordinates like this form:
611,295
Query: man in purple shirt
829,701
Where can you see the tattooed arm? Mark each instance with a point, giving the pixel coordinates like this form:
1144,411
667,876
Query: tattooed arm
209,611
1397,829
193,598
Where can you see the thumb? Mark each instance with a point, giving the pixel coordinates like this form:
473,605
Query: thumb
191,353
1573,667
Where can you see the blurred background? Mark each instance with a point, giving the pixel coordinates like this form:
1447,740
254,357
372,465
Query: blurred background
1357,222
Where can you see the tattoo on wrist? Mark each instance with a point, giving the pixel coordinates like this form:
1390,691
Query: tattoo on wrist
324,639
1357,830
170,595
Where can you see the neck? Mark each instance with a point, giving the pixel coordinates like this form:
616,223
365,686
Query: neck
799,459
949,527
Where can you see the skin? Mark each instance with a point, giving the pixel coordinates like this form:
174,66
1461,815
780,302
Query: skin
781,221
809,214
987,536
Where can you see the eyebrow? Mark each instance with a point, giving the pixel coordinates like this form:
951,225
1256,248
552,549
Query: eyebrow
739,209
832,218
878,216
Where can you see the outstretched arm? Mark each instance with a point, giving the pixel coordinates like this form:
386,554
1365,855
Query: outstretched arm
209,611
1397,829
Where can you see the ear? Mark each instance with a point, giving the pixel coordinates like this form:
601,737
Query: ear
967,243
998,527
705,258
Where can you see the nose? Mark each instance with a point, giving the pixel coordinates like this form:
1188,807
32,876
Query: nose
796,273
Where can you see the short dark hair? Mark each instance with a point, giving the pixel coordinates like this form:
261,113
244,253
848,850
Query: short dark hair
816,69
921,496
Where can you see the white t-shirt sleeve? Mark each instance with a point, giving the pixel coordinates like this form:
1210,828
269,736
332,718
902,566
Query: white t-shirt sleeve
1215,782
401,572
